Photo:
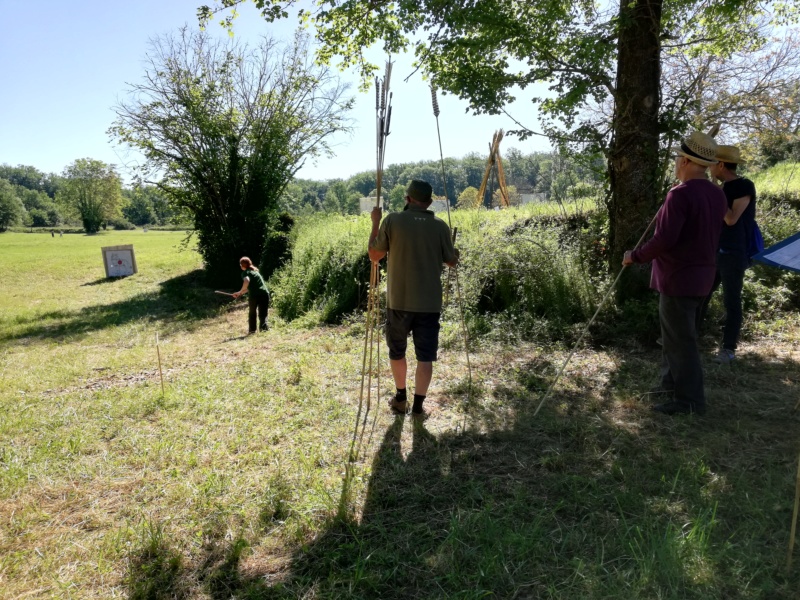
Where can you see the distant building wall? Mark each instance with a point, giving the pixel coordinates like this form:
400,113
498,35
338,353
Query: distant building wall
533,197
438,206
367,204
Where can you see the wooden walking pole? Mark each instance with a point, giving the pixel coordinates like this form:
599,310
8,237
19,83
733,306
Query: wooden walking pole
160,372
794,517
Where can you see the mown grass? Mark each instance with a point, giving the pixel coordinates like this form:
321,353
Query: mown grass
237,483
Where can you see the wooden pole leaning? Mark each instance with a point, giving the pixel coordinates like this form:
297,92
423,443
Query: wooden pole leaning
591,321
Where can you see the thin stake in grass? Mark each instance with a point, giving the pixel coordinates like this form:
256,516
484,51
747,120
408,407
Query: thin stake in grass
794,517
160,372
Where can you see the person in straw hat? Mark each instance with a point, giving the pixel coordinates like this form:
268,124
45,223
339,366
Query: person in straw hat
683,251
732,258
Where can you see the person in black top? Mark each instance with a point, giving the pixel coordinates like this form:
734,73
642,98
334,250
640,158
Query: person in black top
732,258
253,282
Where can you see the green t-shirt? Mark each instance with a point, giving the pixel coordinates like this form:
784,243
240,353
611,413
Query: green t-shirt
419,243
256,287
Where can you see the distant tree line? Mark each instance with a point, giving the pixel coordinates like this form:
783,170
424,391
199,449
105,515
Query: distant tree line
549,175
88,193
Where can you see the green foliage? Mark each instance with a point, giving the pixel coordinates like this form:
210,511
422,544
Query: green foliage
396,197
31,178
525,172
328,271
770,292
780,182
277,246
529,274
11,209
228,126
91,192
37,218
120,224
468,199
525,268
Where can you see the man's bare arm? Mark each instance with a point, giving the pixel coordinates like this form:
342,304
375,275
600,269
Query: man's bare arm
736,211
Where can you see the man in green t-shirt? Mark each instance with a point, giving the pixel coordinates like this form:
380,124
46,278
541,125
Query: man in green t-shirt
418,244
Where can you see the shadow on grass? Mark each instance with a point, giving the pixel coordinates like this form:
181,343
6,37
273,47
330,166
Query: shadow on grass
102,281
180,299
590,499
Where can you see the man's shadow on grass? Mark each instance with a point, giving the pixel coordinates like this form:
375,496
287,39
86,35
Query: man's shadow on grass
182,299
587,499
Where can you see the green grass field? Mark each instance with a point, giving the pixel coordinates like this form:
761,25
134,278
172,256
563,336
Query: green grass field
236,483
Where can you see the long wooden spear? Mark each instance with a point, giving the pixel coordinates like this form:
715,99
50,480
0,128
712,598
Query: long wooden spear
436,111
383,119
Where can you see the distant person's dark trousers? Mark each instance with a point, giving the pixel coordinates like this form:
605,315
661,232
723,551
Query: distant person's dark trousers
681,369
730,273
258,304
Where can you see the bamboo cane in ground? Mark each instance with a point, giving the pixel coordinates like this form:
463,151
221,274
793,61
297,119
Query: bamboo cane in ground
160,372
794,517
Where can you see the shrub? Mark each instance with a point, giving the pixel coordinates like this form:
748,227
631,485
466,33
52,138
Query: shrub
524,270
120,224
527,274
328,271
277,244
38,217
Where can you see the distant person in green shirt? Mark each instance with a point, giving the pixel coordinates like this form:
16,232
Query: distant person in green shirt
253,282
418,244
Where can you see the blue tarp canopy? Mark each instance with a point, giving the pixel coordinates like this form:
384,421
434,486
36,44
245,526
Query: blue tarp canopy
784,255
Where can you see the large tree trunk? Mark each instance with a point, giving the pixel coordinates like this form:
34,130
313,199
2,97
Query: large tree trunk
633,161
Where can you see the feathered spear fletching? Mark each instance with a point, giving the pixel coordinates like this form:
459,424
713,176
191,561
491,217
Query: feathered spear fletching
434,101
377,94
388,118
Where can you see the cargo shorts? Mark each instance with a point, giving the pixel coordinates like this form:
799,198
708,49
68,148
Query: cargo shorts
423,326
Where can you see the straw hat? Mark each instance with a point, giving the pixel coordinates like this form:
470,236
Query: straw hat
729,154
698,148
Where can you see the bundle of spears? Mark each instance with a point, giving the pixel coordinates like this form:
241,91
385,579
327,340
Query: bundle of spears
383,117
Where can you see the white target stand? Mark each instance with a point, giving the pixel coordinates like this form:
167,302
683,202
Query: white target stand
119,261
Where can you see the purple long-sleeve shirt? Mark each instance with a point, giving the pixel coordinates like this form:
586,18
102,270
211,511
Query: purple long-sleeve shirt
684,246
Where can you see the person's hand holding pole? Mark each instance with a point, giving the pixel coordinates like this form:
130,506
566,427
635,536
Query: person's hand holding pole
374,255
627,259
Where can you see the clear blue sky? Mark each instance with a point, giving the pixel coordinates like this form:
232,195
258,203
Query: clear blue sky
66,64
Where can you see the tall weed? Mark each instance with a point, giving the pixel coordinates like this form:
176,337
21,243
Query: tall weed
328,270
531,269
529,276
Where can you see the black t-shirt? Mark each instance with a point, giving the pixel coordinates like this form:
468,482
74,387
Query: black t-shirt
734,237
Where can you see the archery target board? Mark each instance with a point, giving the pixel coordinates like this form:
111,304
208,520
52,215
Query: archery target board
119,261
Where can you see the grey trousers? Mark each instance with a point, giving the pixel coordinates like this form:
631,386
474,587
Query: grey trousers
681,369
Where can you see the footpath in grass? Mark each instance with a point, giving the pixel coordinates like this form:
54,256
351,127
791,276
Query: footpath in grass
237,481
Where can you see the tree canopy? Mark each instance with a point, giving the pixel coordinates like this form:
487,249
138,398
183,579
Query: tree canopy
489,52
11,209
91,192
224,127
